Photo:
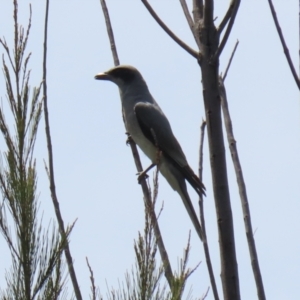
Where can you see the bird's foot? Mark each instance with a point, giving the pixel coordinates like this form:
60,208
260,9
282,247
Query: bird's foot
141,176
129,138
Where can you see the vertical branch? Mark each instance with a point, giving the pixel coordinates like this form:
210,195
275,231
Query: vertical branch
208,59
93,287
228,29
205,244
135,154
110,33
17,54
190,21
243,194
197,10
227,17
209,40
51,168
208,14
149,206
230,60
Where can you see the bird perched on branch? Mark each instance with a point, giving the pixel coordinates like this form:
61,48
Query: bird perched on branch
151,131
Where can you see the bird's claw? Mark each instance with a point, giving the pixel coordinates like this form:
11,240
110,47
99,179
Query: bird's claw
129,138
141,176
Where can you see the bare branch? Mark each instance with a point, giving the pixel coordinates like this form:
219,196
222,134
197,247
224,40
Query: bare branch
190,21
136,157
197,10
202,219
149,205
169,32
285,48
226,17
205,295
110,33
51,168
230,60
200,167
228,29
93,287
187,14
208,15
243,193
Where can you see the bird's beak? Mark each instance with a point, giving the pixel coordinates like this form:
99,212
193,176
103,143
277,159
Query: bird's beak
102,76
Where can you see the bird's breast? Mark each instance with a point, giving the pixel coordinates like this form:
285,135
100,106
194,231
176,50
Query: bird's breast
137,135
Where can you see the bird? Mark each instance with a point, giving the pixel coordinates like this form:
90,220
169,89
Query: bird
150,129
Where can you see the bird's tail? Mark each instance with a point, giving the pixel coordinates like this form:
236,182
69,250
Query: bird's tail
193,179
176,178
190,209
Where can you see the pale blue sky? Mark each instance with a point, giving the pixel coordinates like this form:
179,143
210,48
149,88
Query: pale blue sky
95,174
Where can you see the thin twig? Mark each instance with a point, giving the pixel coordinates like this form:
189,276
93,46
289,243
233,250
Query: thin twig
242,192
226,17
230,60
205,295
228,30
135,154
93,287
110,33
191,51
205,244
47,170
51,168
200,167
147,198
190,21
285,48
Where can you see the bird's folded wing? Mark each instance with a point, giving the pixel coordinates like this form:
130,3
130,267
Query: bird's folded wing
156,127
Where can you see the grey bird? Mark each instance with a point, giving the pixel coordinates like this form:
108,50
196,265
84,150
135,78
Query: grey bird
151,131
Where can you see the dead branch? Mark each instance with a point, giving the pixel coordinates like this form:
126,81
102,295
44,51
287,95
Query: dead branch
190,21
226,17
110,33
230,60
208,14
51,167
136,157
197,10
202,219
283,43
169,32
92,278
228,29
243,193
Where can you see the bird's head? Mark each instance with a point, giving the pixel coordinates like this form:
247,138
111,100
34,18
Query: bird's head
122,75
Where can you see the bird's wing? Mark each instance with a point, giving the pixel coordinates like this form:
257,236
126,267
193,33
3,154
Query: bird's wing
156,127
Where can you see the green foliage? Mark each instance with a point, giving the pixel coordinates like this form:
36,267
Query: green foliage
36,254
37,266
144,281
